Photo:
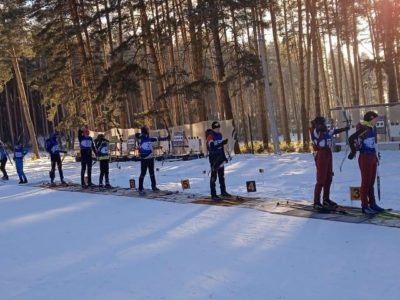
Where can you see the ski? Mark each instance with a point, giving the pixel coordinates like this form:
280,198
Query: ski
387,213
323,210
56,185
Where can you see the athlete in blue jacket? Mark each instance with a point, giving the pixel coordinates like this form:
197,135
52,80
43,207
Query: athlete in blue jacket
87,147
217,158
321,138
53,148
19,153
365,139
147,157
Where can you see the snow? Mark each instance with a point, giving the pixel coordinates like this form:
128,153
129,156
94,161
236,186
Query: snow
62,245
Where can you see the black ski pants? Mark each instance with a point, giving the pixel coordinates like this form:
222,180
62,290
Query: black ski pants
56,160
3,167
86,163
104,171
144,165
220,172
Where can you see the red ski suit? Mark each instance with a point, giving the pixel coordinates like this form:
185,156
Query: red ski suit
367,161
322,142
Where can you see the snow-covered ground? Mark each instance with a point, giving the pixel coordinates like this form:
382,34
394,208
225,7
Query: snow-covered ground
60,245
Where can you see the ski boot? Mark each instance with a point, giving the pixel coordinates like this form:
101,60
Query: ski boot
108,186
155,189
216,198
368,211
329,203
226,194
318,206
376,207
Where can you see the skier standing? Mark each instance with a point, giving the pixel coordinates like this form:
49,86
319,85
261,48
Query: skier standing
147,157
3,161
321,138
53,148
19,153
365,139
102,148
87,146
217,158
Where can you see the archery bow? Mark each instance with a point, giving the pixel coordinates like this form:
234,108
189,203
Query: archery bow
348,123
120,140
169,140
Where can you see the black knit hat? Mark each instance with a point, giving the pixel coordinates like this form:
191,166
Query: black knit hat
215,124
145,129
319,121
369,116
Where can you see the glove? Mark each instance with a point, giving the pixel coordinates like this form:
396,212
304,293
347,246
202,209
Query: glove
224,142
137,135
347,128
351,155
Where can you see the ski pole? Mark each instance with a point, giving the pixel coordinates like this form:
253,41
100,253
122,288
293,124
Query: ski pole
9,159
378,177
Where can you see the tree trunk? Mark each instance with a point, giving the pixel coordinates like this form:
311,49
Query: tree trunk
219,60
303,112
326,102
282,106
388,48
195,57
85,77
24,103
294,99
259,87
375,41
308,59
9,115
332,53
242,112
353,99
339,50
357,74
314,37
268,94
